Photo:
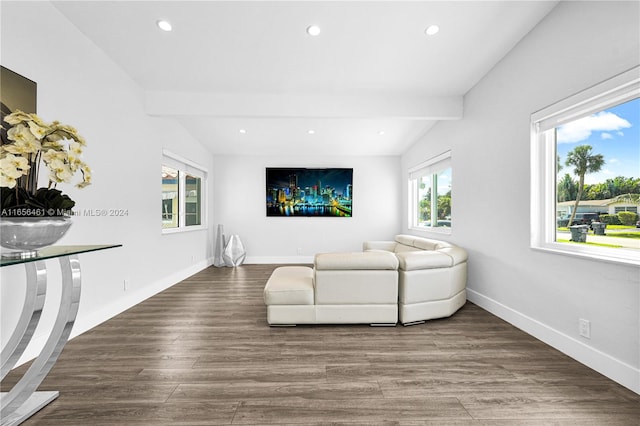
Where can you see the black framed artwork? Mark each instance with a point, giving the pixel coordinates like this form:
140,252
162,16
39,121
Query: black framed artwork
298,191
16,92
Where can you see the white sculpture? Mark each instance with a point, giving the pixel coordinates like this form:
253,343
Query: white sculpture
234,252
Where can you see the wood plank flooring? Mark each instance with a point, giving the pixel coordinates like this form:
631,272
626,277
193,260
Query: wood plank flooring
201,353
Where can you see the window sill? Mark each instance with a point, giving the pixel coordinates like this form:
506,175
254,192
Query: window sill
617,256
437,230
184,229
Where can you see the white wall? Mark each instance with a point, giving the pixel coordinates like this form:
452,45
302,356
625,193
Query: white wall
239,205
79,85
579,44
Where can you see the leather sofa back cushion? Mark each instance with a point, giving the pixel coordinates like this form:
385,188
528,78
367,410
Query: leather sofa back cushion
407,240
418,243
368,260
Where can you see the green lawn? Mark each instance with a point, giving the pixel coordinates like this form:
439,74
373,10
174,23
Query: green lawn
589,244
635,235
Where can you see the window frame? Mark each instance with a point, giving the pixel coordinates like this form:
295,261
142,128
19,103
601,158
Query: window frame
174,216
431,167
614,91
187,195
186,167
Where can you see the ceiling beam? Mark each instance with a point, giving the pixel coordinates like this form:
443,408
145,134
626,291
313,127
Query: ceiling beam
161,103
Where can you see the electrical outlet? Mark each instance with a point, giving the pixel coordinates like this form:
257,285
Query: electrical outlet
584,328
126,284
299,251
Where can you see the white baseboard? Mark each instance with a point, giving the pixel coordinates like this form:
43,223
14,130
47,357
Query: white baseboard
618,371
86,322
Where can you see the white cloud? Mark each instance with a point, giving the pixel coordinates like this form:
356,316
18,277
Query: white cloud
613,161
605,135
581,129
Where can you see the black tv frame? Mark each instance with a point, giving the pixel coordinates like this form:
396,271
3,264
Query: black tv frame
309,192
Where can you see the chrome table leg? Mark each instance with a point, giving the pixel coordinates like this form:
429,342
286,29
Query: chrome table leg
35,293
22,400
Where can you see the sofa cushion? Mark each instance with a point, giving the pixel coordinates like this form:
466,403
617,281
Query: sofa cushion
367,260
427,244
379,245
401,248
412,242
290,285
407,240
423,259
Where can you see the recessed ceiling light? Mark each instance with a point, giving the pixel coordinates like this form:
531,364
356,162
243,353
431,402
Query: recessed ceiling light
243,131
381,132
432,30
313,30
311,131
164,25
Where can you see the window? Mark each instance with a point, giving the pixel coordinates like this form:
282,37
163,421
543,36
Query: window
192,199
182,194
170,197
585,167
430,194
633,209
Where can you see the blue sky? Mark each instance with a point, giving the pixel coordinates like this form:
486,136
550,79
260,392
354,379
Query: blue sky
614,133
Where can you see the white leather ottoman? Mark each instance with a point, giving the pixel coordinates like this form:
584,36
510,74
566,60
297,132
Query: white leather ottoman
289,296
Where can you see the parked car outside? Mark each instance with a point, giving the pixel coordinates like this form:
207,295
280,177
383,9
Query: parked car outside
440,223
638,224
586,218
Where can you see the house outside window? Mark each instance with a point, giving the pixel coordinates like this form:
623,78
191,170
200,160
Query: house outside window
193,200
170,197
182,194
585,172
430,194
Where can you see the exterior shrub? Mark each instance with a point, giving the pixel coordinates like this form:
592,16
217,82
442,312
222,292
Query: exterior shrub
610,219
628,218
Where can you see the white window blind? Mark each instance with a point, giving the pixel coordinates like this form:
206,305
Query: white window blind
431,166
619,89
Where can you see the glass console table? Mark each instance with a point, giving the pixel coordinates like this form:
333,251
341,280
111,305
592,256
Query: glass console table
22,401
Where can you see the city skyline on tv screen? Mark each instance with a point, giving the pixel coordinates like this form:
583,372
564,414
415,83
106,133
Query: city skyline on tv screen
294,191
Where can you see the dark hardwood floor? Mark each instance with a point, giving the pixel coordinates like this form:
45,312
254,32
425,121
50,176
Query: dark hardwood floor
202,353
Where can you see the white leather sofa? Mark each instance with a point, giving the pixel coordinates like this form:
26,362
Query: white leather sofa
432,276
341,288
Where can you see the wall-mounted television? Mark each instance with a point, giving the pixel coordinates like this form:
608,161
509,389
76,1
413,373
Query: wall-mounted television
297,191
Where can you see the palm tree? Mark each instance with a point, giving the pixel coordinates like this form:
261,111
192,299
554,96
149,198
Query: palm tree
567,188
584,162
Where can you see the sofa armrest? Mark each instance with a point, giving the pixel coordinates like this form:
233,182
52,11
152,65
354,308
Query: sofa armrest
379,245
458,254
368,260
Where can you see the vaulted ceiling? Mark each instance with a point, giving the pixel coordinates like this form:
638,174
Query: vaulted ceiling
245,77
